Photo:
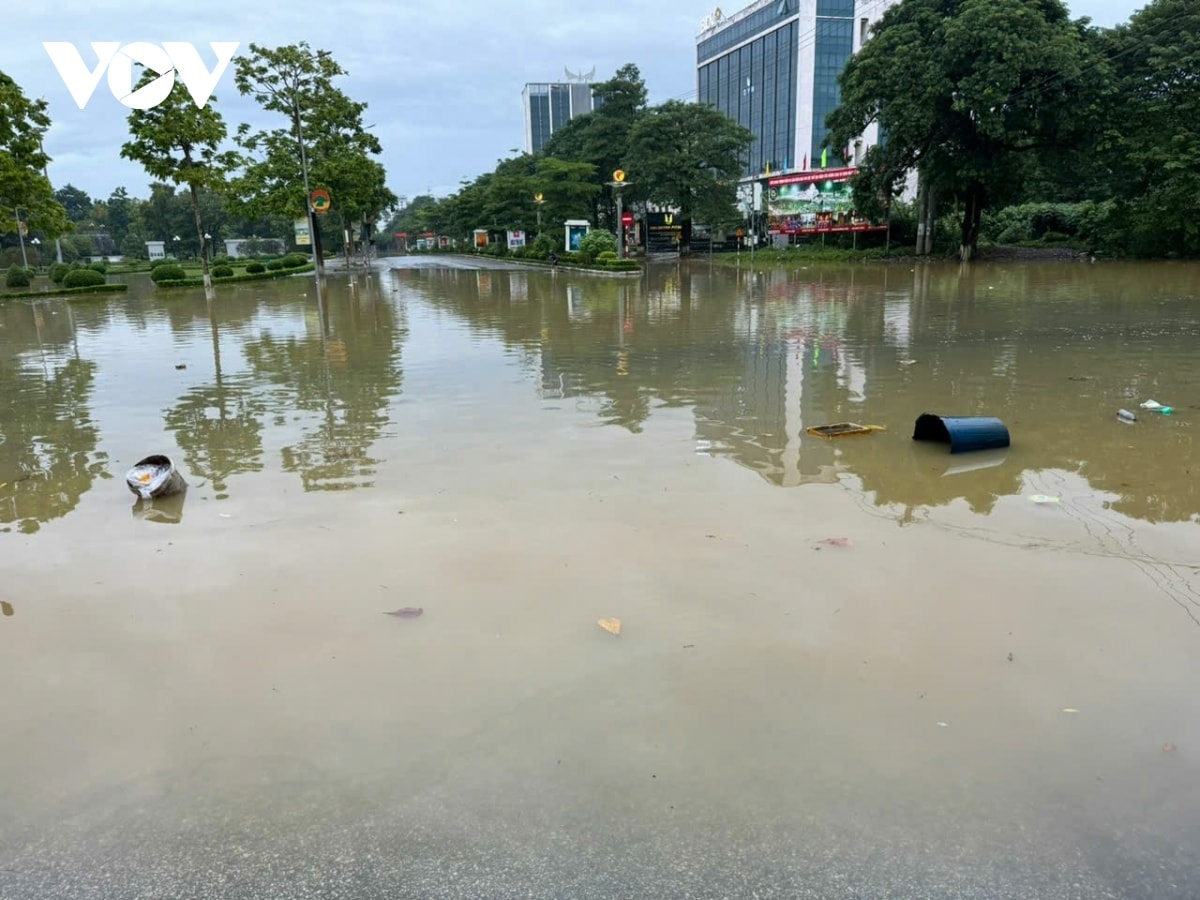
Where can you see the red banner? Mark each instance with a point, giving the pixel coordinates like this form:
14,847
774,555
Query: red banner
814,177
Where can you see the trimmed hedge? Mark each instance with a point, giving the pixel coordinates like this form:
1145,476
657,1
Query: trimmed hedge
58,272
167,273
294,260
17,277
90,289
222,272
78,278
262,276
275,265
255,268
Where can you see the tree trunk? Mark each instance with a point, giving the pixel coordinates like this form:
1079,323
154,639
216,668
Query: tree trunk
922,199
930,219
209,293
972,215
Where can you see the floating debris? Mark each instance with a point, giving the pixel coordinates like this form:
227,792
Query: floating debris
1044,499
6,608
943,724
1070,709
181,366
1168,747
836,542
405,612
612,626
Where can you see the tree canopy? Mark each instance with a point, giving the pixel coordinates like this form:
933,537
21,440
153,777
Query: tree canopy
23,183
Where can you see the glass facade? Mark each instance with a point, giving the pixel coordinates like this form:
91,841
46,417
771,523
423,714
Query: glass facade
833,43
550,106
755,85
751,25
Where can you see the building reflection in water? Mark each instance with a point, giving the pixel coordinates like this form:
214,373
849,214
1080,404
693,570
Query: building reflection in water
760,356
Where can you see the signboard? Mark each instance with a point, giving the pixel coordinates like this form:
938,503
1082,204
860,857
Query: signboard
814,177
320,200
303,235
516,239
443,241
626,219
665,232
481,237
575,230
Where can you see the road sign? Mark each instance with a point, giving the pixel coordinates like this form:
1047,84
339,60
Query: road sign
319,200
627,219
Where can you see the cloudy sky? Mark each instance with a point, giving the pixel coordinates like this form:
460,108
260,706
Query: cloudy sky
442,79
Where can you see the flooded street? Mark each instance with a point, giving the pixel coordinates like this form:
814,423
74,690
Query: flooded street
859,667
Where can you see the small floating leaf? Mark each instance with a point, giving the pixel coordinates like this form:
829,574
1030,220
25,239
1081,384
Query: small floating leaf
836,542
612,626
6,607
406,612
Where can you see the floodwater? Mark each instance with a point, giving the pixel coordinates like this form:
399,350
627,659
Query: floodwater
858,667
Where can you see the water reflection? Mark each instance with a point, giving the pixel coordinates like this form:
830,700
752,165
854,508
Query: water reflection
1053,350
48,456
161,510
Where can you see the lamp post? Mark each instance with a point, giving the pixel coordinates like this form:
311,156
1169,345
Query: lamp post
207,246
539,200
37,249
616,184
175,246
46,173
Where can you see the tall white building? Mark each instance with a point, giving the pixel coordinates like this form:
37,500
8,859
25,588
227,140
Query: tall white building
773,67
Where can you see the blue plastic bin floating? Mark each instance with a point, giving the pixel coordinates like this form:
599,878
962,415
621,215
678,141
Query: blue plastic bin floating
962,433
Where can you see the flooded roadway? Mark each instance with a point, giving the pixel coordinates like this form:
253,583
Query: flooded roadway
855,668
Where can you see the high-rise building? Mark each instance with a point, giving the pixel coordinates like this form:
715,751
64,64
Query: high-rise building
550,106
773,67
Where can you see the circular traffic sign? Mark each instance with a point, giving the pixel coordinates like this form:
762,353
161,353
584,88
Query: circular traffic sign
320,200
626,219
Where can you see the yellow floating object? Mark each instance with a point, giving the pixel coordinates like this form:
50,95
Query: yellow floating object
612,626
843,429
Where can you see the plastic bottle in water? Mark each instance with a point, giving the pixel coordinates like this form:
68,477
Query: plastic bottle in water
1126,416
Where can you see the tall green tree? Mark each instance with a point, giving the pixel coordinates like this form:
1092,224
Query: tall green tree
1153,136
689,156
965,90
180,143
75,201
325,141
601,138
24,188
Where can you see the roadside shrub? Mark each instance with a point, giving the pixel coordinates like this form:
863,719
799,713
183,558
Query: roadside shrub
17,277
83,278
167,273
275,265
596,242
545,244
606,256
292,260
161,262
255,268
58,272
222,272
222,261
100,266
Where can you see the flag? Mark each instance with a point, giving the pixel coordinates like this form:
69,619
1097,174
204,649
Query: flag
825,158
805,166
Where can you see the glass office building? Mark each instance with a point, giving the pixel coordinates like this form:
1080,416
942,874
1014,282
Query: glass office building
773,67
550,106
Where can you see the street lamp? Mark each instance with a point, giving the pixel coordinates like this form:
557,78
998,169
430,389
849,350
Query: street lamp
21,237
37,248
175,246
539,200
207,246
616,184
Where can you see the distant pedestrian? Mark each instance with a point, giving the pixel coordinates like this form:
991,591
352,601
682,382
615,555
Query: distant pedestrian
553,260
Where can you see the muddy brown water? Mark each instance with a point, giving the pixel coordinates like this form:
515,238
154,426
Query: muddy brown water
846,667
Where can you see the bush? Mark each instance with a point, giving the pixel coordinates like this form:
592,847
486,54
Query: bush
100,266
255,268
275,265
17,277
292,260
82,278
545,244
161,262
58,272
596,242
222,261
606,256
222,272
167,273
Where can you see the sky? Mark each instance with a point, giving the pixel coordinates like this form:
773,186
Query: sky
442,80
